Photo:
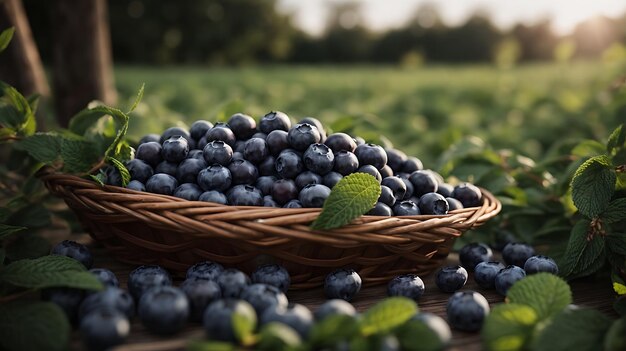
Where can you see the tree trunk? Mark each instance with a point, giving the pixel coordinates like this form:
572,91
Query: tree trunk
82,56
20,64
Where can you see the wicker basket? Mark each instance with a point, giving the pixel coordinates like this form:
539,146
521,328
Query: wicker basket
145,228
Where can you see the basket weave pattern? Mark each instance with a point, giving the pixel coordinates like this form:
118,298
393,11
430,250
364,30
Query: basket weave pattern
146,228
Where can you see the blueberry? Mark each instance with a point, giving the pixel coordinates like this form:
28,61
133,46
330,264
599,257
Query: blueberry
371,154
517,254
445,189
467,310
317,124
139,170
319,159
243,172
268,201
238,156
314,195
340,142
150,137
103,329
307,177
67,299
397,186
485,274
245,195
274,120
386,172
167,168
342,284
386,196
472,254
380,209
221,131
469,195
433,204
284,190
150,153
423,183
188,191
395,159
272,274
161,183
201,143
371,170
215,177
105,276
450,279
195,154
74,250
267,167
263,296
435,323
289,164
334,307
331,179
507,277
240,145
406,208
143,278
200,293
536,264
243,126
358,140
409,188
345,162
109,298
174,132
187,171
255,150
205,270
112,176
412,164
407,285
453,204
265,184
218,318
199,128
259,135
164,310
296,316
293,204
213,196
277,141
175,149
302,135
232,282
218,152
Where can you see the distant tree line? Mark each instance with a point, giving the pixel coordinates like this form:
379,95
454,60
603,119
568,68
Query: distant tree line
245,31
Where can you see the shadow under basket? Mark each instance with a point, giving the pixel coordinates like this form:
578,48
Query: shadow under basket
145,228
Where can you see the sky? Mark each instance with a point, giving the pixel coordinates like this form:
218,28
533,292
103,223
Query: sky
380,15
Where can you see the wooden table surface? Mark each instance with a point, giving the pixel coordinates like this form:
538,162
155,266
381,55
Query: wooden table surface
594,293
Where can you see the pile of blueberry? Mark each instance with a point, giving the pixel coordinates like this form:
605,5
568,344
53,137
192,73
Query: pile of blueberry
276,165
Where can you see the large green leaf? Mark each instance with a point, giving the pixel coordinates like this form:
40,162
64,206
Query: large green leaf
5,38
43,147
49,271
8,230
573,329
593,185
276,336
33,326
509,327
615,212
582,256
387,315
78,155
333,329
546,293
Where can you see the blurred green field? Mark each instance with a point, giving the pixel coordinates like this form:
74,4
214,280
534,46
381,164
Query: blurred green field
422,111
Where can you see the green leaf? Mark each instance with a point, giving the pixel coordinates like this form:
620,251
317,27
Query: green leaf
615,338
276,336
353,196
197,345
509,327
137,99
582,257
43,147
616,139
387,315
27,246
244,322
85,119
50,271
78,155
8,230
124,152
120,167
573,329
5,38
616,242
593,185
33,326
99,178
546,293
24,121
333,329
429,339
588,148
615,212
33,101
